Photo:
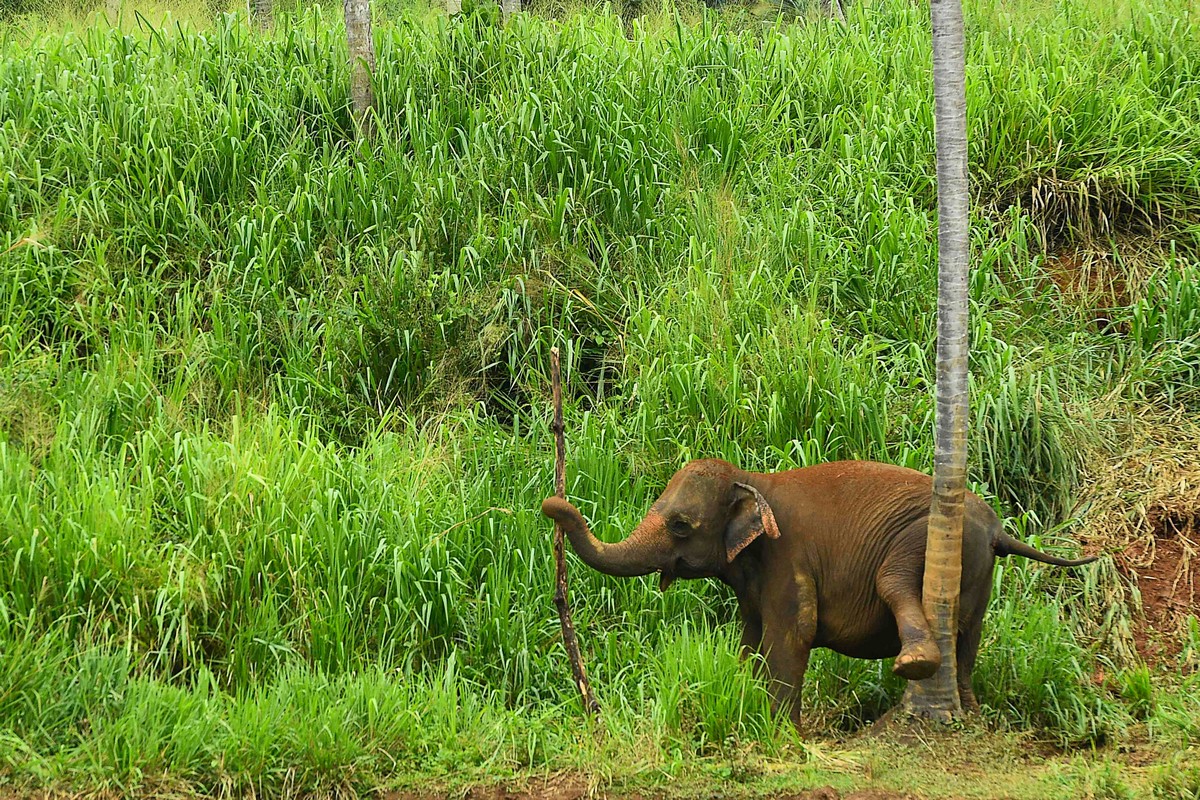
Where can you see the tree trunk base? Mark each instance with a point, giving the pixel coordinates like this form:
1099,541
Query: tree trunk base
929,714
935,698
906,726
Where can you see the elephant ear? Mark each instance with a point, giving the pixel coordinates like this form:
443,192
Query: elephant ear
749,516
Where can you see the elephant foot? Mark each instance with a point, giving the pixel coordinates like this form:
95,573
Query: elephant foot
966,698
918,661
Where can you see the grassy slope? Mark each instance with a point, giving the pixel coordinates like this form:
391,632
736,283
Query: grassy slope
274,425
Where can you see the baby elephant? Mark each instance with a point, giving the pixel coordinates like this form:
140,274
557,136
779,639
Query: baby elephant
831,555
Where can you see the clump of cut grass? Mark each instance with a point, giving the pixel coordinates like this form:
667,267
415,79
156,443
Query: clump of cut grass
1041,676
1137,689
1140,504
1176,781
707,693
1102,781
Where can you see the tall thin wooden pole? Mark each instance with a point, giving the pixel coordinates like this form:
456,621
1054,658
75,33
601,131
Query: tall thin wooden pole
561,601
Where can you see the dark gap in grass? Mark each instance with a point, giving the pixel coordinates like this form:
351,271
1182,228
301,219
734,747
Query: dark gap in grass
1067,212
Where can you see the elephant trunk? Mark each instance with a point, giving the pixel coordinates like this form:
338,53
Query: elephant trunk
640,553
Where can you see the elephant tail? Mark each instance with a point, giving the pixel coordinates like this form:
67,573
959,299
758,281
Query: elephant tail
1005,545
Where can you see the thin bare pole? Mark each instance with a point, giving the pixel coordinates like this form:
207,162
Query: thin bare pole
361,45
263,14
560,562
833,8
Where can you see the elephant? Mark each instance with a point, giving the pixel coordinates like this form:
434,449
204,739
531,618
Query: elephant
830,555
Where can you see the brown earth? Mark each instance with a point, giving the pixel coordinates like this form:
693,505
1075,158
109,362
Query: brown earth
570,787
1162,566
829,793
1090,280
559,787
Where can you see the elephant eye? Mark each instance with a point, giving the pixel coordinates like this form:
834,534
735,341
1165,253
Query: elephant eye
679,527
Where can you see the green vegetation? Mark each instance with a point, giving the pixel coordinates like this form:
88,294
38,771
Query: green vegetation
274,403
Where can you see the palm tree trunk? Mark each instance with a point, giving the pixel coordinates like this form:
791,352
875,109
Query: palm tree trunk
508,8
937,697
453,7
362,62
112,9
264,15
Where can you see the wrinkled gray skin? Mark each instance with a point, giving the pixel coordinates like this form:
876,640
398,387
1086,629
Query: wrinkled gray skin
831,555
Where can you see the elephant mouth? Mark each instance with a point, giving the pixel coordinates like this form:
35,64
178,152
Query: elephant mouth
679,569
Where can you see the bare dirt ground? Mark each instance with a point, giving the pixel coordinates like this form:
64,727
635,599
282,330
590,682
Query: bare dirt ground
577,788
897,763
1164,566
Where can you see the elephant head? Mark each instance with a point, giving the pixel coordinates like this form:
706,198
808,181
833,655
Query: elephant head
707,515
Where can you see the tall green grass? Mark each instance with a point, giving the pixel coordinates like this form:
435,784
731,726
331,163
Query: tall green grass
274,429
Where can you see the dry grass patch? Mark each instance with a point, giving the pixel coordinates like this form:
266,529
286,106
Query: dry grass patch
1145,511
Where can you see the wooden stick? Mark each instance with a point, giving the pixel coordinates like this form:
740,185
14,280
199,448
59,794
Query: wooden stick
560,562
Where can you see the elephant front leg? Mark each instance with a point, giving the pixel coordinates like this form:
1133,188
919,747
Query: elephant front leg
752,628
787,641
786,691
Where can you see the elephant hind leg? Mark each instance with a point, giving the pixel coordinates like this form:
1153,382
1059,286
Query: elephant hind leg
919,656
966,649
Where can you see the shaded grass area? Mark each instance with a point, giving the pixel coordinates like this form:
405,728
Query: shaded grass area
273,424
